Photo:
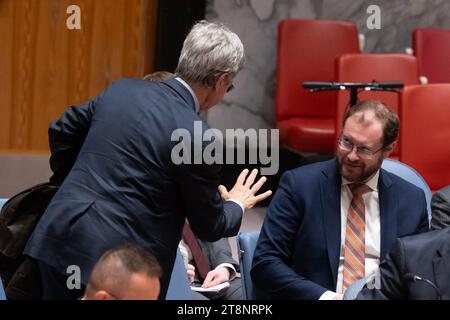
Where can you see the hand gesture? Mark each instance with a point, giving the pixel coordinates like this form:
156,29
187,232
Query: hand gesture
243,191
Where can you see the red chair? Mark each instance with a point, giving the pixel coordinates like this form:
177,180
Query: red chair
378,67
306,52
425,132
432,50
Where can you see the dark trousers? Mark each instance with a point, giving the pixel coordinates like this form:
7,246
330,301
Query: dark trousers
54,285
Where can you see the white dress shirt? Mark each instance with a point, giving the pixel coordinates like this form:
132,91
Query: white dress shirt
372,234
184,83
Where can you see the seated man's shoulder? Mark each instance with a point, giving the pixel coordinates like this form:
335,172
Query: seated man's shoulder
402,185
313,170
444,192
426,240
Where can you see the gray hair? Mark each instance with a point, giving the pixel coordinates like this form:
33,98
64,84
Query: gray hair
209,50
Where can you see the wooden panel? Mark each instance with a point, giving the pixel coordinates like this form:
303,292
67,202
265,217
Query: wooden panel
46,67
6,18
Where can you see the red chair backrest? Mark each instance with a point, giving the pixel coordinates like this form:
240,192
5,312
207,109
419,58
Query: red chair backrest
369,67
432,50
425,132
306,52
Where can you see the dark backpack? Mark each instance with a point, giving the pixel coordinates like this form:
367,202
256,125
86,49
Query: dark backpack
18,218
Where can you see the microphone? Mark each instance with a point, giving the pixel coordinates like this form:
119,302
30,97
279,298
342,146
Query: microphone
387,84
414,278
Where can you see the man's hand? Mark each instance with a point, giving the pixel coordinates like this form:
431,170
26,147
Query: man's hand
190,272
216,276
243,191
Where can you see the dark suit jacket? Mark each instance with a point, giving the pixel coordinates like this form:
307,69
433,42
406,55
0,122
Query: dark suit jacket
426,255
440,208
297,255
123,185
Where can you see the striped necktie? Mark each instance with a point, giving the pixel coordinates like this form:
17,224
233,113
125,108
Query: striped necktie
354,252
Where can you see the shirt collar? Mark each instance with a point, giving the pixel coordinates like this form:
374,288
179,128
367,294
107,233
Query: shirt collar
184,83
372,183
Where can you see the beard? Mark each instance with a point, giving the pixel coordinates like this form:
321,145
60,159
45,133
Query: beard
357,171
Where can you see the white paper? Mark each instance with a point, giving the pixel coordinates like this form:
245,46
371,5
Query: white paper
216,288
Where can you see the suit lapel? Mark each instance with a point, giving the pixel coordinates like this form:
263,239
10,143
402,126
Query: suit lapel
331,204
388,213
441,267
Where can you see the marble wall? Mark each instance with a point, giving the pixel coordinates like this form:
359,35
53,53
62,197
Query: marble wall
251,104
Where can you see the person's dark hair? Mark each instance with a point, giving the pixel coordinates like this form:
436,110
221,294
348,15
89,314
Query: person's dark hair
158,76
389,119
115,267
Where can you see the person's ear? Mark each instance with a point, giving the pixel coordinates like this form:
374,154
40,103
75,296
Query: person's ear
222,81
388,149
103,295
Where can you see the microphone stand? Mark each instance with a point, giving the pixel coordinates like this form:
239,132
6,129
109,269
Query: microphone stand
353,87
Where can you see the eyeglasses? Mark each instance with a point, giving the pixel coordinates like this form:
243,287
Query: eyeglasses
347,145
231,87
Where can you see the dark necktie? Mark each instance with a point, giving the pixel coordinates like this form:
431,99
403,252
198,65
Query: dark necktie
201,263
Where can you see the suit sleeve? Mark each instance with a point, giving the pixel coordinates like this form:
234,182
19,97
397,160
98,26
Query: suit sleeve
209,217
424,225
392,270
66,136
272,260
440,207
219,252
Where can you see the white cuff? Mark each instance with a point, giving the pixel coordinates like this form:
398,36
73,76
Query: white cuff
328,295
230,268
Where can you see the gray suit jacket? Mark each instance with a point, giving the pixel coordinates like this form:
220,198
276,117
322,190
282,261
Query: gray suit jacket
218,252
426,255
440,208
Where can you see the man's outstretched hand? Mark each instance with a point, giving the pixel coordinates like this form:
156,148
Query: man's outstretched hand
244,190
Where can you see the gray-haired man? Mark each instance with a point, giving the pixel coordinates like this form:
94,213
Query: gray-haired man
119,183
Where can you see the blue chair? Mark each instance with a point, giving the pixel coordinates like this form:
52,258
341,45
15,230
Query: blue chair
409,174
2,290
179,288
2,202
246,242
